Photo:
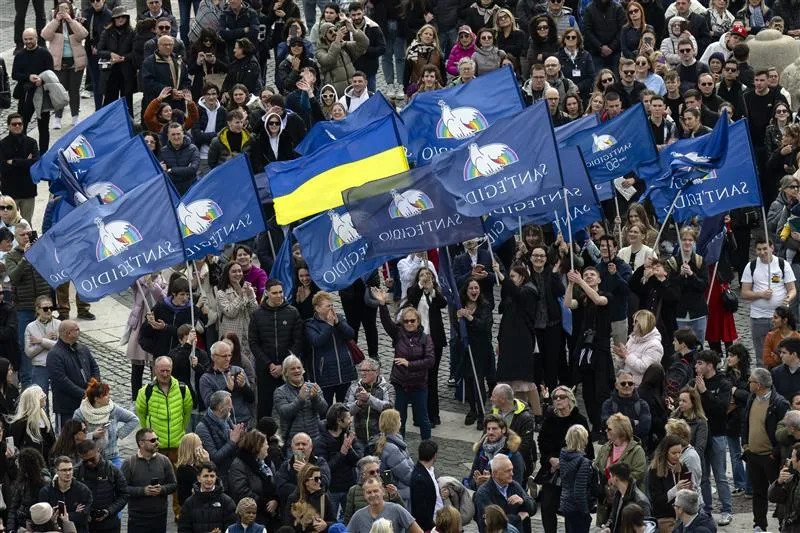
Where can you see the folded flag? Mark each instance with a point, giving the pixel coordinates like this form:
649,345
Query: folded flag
283,267
314,183
711,238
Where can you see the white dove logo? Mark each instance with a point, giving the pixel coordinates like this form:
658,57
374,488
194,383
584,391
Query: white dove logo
460,122
342,230
602,142
197,217
488,160
115,237
409,203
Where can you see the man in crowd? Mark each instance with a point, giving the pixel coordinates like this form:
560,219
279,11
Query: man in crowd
236,22
709,98
156,12
538,83
70,366
625,400
368,63
764,409
164,27
18,152
558,117
302,453
689,69
151,479
625,493
367,398
233,140
603,21
614,277
502,490
355,96
28,65
662,125
65,488
628,88
224,376
786,376
362,520
180,159
552,69
165,405
219,434
165,69
367,466
213,118
689,515
518,418
730,89
613,105
694,100
715,392
208,508
760,103
107,485
426,498
767,282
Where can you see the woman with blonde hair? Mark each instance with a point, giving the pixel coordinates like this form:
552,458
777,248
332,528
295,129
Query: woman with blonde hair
393,452
690,458
576,475
597,103
30,426
423,50
9,213
690,409
190,455
310,504
447,520
510,39
643,347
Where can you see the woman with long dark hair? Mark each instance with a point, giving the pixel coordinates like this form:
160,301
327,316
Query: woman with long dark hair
73,432
304,292
208,55
477,314
551,362
651,390
32,476
738,372
784,326
9,393
117,60
251,477
237,302
543,39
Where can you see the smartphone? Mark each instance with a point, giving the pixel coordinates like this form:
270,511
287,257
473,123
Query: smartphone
387,477
293,31
62,507
687,476
106,425
154,481
9,442
299,456
33,235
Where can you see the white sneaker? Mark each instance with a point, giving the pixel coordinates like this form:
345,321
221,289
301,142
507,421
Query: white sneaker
86,94
75,120
399,93
56,123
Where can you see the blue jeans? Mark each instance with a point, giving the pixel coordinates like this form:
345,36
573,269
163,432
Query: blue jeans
395,52
310,10
759,327
41,377
372,82
740,480
715,462
419,404
697,325
25,367
185,7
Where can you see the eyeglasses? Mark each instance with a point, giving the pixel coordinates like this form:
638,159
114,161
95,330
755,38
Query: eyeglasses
152,441
6,207
642,64
486,38
706,84
626,383
316,479
410,321
570,37
560,397
46,308
782,112
792,187
728,69
372,472
631,11
685,50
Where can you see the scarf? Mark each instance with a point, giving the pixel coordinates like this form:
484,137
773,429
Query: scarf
486,12
490,449
417,49
174,70
423,307
756,17
96,416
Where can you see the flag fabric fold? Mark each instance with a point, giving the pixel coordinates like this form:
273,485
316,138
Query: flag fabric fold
283,267
711,238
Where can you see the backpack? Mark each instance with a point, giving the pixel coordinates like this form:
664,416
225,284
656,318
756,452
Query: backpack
148,391
597,487
679,374
781,267
637,407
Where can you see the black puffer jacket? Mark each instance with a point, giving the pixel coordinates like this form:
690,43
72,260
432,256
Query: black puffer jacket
245,71
342,466
274,333
252,478
161,342
182,164
110,491
22,497
603,22
207,511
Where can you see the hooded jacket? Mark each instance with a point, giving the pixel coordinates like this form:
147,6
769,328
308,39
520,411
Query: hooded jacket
669,45
643,351
395,457
109,491
200,137
522,423
207,511
336,59
482,461
458,52
720,46
220,150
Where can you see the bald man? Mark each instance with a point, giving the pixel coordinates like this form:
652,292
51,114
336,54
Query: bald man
502,490
554,106
70,366
163,69
31,61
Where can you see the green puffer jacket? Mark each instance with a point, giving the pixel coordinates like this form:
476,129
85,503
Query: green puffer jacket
168,415
633,456
27,283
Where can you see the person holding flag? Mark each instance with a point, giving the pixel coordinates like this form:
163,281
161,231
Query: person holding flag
477,314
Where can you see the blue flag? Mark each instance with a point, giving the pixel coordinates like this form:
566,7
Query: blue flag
407,213
220,209
327,131
616,147
571,128
711,238
74,192
103,248
441,120
45,257
447,281
688,159
516,158
734,184
337,255
283,268
99,134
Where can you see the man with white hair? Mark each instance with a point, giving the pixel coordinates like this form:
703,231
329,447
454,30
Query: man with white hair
302,453
788,433
298,403
519,418
690,517
765,408
506,493
219,434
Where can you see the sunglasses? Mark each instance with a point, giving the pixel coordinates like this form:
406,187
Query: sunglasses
641,63
316,479
607,80
685,51
630,12
16,124
545,27
46,308
781,112
271,123
167,28
486,37
560,397
6,207
570,37
410,321
327,96
727,69
152,441
626,383
627,72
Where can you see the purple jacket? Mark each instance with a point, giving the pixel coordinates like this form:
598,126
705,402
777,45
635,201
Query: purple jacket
416,347
456,53
258,279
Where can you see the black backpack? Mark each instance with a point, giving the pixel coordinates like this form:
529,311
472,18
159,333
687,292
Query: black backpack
679,374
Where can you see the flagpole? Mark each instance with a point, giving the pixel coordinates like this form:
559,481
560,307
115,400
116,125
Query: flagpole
569,230
519,223
271,244
766,236
666,219
191,310
711,283
144,295
617,225
491,254
199,281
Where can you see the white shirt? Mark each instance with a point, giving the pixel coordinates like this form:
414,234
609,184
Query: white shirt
439,502
643,253
407,268
355,101
762,308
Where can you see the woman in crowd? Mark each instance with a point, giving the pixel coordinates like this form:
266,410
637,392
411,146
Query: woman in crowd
642,349
9,214
637,214
721,328
208,61
336,53
159,333
328,334
756,16
573,106
288,72
258,108
487,56
576,63
250,477
64,35
604,79
335,445
719,18
252,274
116,56
551,439
644,67
272,145
9,393
664,480
73,432
516,337
191,455
783,157
689,272
652,390
327,98
547,319
497,439
690,409
596,104
243,67
393,452
496,521
690,459
310,493
152,288
423,50
305,291
102,418
622,447
779,210
40,337
464,47
544,39
738,372
576,480
677,30
305,418
477,314
159,113
294,27
510,39
658,295
447,520
636,252
30,426
238,97
32,476
632,31
237,301
152,141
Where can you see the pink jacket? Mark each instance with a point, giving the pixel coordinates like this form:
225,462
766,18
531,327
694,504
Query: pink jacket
642,352
55,42
456,54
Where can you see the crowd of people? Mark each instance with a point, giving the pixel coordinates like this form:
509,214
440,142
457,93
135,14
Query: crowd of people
261,414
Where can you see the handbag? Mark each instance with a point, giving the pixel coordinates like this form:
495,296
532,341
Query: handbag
356,355
213,78
729,299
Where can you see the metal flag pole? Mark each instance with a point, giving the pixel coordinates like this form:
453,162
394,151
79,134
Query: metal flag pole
491,254
766,236
569,230
144,295
711,283
666,219
519,223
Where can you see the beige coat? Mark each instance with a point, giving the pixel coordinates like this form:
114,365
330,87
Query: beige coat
55,42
